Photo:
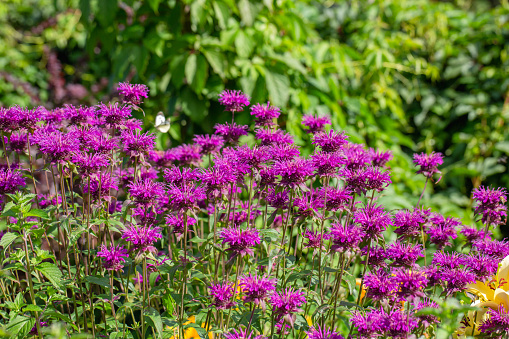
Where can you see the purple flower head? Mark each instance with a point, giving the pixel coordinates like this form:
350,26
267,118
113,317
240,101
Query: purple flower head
209,144
355,179
399,324
252,157
379,285
491,204
17,142
293,172
239,240
497,323
242,334
456,280
234,101
131,124
404,254
265,114
330,142
137,144
345,238
322,333
177,223
308,204
408,224
483,266
10,180
442,230
315,124
286,303
426,319
132,93
80,115
215,181
185,197
410,283
369,324
28,118
377,256
181,176
278,199
222,295
379,158
54,117
114,114
113,257
89,163
335,198
57,146
356,156
373,220
282,152
327,164
33,331
145,216
142,238
100,185
231,132
188,155
448,260
161,158
428,164
9,118
314,238
494,248
257,289
473,234
145,191
377,179
47,200
270,137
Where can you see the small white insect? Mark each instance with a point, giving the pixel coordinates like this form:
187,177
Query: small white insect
162,123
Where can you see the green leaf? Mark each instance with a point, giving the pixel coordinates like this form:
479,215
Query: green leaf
222,12
52,273
8,207
107,10
7,239
196,71
216,60
177,68
32,308
246,12
37,213
244,44
101,281
154,319
193,106
20,326
278,87
154,4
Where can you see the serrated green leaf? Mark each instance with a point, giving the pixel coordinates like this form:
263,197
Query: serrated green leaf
34,212
278,86
154,319
216,60
101,281
196,72
20,326
52,273
8,239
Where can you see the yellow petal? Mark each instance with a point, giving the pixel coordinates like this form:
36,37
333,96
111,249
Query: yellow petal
502,298
481,290
503,272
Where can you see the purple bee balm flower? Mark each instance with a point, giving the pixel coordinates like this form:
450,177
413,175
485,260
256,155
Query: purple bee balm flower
497,323
456,280
47,200
161,158
181,176
314,239
257,289
28,118
240,240
17,142
442,230
404,254
8,119
33,331
379,285
377,179
234,101
308,204
270,137
132,93
131,124
54,116
369,324
355,179
493,248
327,164
145,191
491,204
278,199
410,283
142,238
185,197
188,155
426,320
330,142
335,198
137,144
473,234
448,260
345,238
267,177
215,181
100,185
373,220
57,146
483,266
209,143
89,163
286,303
408,224
231,132
10,180
80,115
252,157
282,152
293,172
113,257
315,124
242,334
322,333
222,295
177,223
428,164
113,114
265,114
379,158
399,324
377,256
356,156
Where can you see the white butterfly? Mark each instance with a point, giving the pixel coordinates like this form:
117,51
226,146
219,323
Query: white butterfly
162,124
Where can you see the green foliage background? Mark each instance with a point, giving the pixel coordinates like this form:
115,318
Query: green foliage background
404,75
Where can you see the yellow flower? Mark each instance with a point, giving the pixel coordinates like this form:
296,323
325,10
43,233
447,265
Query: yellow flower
190,333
